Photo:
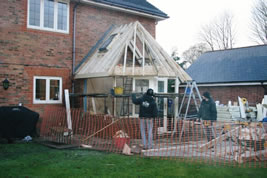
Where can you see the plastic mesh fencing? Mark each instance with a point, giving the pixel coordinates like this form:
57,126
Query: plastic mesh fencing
223,143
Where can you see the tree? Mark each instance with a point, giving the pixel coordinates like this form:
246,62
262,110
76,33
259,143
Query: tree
259,22
191,54
177,59
219,34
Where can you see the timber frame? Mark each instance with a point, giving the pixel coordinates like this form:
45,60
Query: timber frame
130,52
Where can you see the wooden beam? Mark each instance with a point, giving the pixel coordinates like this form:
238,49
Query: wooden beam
242,109
67,102
249,156
85,98
218,139
125,57
183,76
93,104
90,136
143,59
135,26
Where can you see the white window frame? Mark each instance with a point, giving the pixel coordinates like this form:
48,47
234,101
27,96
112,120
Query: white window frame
152,84
41,27
47,95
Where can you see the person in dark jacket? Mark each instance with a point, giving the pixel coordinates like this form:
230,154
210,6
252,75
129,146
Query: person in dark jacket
148,112
208,113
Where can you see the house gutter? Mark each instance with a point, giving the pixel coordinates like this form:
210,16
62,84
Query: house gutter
74,43
124,10
229,84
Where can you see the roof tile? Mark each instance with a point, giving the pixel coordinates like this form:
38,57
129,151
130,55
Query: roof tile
248,64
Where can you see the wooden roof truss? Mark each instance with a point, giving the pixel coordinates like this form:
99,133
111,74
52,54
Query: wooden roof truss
132,52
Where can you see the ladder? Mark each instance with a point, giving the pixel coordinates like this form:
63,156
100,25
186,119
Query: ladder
127,89
189,92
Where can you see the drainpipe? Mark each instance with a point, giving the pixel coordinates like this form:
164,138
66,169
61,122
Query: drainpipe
264,87
74,43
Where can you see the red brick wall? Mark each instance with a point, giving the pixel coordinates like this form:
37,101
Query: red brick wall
25,53
253,94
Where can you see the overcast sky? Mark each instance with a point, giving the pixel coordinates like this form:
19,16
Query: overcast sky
187,16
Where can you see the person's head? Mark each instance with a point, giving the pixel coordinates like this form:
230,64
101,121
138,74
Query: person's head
206,96
150,92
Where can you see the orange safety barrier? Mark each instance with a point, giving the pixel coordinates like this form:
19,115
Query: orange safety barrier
224,143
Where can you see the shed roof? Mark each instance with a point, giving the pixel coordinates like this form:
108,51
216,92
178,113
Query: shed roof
130,50
247,64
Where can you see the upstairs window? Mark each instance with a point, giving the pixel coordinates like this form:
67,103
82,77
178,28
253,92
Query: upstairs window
51,15
47,90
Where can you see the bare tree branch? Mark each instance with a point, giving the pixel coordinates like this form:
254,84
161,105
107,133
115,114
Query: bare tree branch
206,35
220,33
259,22
191,54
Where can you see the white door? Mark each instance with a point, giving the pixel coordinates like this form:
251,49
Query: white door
139,86
162,102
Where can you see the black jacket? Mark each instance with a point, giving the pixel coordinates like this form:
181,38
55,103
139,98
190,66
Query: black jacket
207,110
148,106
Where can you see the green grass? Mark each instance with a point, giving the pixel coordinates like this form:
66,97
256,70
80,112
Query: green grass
34,160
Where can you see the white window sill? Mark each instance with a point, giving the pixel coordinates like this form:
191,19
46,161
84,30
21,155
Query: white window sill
47,29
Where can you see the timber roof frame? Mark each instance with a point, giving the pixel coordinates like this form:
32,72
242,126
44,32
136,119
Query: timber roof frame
147,59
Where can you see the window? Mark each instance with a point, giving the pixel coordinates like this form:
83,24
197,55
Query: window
141,85
47,90
105,45
51,15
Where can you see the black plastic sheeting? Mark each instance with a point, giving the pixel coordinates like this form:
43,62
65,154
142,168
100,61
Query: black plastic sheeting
17,122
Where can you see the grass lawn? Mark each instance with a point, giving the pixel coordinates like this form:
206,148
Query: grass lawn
35,160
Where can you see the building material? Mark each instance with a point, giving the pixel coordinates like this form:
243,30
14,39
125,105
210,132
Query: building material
250,156
67,103
126,150
90,136
218,139
242,108
105,63
264,102
259,112
93,104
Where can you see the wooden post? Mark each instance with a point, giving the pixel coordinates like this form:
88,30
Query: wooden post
134,48
93,104
264,108
176,105
125,58
115,101
133,106
242,109
143,62
85,98
67,102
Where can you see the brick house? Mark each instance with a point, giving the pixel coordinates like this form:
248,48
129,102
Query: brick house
227,74
41,42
